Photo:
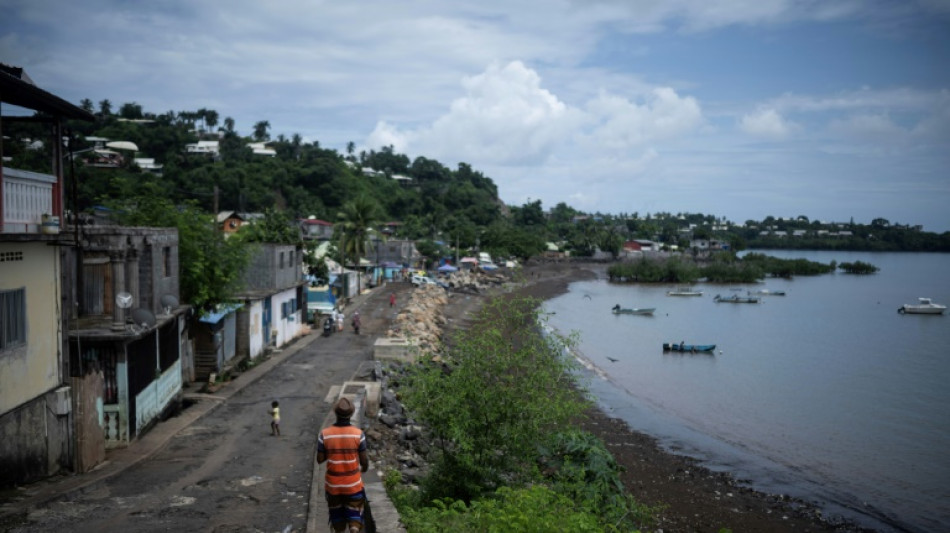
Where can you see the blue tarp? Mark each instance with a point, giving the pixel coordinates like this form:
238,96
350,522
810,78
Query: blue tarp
219,313
447,268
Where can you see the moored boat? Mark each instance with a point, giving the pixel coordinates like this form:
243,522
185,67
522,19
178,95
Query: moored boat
617,310
690,348
684,291
767,292
736,299
924,306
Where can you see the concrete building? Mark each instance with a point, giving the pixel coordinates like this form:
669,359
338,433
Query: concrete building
37,436
273,299
128,337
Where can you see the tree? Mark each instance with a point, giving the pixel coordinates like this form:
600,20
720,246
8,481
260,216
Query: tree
105,108
211,268
211,119
276,227
228,125
130,110
356,218
260,130
86,105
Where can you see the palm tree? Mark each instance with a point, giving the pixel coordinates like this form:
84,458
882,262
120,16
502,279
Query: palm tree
228,125
211,119
200,115
260,130
105,108
356,218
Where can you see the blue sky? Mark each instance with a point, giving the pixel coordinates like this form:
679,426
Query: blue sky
739,108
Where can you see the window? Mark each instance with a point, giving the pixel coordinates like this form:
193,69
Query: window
167,261
281,259
12,318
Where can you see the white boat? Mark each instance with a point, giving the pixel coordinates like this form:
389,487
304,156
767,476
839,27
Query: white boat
924,306
617,310
684,291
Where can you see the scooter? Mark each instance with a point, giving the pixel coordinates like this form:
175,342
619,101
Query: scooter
356,325
327,327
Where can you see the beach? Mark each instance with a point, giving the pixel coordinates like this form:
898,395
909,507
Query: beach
691,497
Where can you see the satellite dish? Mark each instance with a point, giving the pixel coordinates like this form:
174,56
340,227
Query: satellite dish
143,317
123,300
169,302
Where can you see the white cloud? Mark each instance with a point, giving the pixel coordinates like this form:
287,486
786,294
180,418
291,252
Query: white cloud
868,126
766,123
662,114
505,116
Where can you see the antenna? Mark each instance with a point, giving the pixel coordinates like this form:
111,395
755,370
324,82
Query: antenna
123,300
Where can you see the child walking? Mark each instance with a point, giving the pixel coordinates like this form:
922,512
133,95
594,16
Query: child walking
275,418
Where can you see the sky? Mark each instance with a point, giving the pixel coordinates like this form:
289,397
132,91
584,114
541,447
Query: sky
830,109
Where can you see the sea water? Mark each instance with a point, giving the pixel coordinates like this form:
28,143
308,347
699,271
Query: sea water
826,393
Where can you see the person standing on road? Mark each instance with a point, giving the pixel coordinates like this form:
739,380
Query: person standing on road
275,418
343,447
392,299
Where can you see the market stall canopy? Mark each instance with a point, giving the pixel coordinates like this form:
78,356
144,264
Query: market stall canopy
123,145
447,268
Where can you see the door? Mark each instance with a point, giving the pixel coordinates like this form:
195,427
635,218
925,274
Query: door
267,321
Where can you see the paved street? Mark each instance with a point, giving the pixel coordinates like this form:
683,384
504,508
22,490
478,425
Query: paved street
225,472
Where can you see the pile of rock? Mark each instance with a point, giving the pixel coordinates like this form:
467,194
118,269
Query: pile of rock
474,281
421,320
396,440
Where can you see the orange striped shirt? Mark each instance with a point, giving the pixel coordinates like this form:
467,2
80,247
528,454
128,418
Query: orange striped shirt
342,446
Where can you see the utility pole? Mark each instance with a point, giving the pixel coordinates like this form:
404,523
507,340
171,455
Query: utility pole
216,228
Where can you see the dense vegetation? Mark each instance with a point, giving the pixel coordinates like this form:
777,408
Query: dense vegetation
500,408
440,207
858,267
722,267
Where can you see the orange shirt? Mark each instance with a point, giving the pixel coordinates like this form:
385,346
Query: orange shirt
342,446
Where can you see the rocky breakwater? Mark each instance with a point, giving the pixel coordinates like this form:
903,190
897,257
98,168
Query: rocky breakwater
396,440
422,320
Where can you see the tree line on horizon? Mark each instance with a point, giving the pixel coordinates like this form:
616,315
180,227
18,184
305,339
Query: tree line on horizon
443,207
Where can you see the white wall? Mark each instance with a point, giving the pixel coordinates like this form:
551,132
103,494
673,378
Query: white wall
287,328
256,328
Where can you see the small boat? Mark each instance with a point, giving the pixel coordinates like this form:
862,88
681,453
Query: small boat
617,310
690,348
924,306
684,291
736,299
767,292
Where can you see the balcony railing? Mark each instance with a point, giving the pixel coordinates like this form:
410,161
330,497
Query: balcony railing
27,196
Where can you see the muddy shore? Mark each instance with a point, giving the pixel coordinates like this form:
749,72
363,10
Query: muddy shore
692,497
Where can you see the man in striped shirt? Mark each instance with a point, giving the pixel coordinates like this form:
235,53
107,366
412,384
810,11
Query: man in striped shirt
343,447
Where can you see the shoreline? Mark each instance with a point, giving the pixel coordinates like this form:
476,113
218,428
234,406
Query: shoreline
694,498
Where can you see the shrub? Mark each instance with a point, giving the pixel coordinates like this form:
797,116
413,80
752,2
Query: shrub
535,509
